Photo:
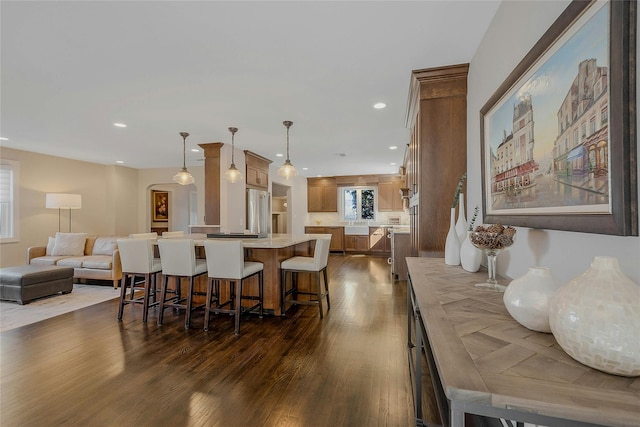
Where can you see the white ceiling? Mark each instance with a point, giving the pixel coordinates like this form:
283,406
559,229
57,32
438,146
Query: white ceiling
72,69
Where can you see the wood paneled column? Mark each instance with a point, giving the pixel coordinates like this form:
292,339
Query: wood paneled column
212,182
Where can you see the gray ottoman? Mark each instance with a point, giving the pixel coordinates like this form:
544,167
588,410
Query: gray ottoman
28,282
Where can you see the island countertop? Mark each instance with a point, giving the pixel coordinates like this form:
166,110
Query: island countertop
272,241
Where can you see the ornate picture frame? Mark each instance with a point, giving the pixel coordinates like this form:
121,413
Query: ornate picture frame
558,137
160,208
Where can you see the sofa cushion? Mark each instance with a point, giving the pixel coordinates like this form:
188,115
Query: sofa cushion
69,244
105,246
50,244
75,262
47,260
99,262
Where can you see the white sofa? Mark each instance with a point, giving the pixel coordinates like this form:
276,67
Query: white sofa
91,257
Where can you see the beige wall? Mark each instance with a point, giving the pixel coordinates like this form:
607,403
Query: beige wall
566,253
108,200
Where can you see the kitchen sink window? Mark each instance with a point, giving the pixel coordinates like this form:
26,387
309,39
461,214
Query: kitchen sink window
358,203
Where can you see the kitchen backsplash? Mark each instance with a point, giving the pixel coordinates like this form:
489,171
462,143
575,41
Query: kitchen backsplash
322,218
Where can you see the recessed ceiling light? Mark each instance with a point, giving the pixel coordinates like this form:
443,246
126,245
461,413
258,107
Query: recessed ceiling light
195,150
392,164
120,125
279,155
319,176
2,138
305,169
393,147
120,162
379,105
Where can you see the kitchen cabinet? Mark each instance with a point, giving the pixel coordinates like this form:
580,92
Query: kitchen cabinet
337,235
378,240
257,171
389,196
322,195
356,243
437,117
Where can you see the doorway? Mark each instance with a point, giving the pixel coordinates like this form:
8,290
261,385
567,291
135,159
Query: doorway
280,208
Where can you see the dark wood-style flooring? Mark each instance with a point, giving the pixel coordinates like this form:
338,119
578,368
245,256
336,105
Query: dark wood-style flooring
85,368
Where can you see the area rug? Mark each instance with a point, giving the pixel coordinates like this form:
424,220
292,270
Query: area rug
14,315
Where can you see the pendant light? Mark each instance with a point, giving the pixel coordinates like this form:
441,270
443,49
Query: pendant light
287,170
232,174
184,177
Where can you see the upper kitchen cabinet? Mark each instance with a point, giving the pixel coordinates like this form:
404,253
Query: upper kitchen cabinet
390,194
322,195
437,117
257,170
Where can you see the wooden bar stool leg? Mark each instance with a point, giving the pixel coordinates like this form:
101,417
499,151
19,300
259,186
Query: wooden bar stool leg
319,293
326,287
207,307
163,296
283,290
123,292
187,315
147,290
238,303
260,291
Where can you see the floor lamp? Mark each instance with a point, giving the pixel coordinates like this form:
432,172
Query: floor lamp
63,201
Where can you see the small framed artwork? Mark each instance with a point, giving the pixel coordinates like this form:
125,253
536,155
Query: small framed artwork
559,135
160,206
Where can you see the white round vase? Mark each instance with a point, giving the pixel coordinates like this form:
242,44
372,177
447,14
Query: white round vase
527,298
596,318
470,256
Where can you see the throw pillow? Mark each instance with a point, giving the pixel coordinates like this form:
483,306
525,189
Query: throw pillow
105,246
69,244
50,244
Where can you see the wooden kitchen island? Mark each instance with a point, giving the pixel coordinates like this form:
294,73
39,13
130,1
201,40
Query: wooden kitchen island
484,363
270,251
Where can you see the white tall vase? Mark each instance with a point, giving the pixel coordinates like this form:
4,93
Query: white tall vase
452,244
470,256
595,318
461,225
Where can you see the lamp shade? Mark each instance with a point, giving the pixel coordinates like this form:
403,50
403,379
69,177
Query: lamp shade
63,201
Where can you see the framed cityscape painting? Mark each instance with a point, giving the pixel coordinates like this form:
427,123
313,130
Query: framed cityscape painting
559,135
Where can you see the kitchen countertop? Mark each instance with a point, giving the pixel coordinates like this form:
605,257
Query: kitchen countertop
272,241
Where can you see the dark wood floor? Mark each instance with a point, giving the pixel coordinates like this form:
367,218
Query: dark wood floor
350,369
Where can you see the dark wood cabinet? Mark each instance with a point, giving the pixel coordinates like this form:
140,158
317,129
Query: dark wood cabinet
337,235
437,116
378,240
389,196
356,243
322,195
257,170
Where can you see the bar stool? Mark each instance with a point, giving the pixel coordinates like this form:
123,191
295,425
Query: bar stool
137,260
225,261
172,234
179,260
300,264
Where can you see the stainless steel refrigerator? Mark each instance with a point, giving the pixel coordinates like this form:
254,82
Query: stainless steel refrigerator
258,211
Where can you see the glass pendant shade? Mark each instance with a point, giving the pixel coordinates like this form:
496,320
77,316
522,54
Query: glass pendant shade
287,170
232,174
184,177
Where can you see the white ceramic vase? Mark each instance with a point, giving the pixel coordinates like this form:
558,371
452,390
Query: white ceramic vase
452,244
595,318
461,224
470,256
527,298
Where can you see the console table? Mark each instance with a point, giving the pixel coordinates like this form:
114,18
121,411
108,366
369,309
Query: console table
485,364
